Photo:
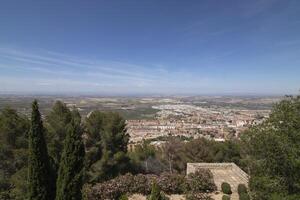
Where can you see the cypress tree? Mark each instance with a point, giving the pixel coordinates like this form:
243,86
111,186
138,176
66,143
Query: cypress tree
156,193
40,185
70,174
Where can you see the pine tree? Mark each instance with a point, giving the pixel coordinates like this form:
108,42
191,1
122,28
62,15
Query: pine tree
70,174
56,125
109,132
39,172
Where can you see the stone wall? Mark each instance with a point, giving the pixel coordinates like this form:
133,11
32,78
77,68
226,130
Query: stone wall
222,172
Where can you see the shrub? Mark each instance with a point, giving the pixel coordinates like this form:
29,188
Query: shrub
242,189
225,197
156,194
123,197
142,184
115,188
201,181
244,196
163,196
172,183
226,189
86,192
264,187
112,189
293,197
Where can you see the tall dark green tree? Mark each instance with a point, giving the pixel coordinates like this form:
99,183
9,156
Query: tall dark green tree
39,172
71,170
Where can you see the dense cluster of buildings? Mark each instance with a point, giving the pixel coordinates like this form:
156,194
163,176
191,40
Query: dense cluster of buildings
194,121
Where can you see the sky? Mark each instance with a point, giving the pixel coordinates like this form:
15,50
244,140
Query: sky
146,47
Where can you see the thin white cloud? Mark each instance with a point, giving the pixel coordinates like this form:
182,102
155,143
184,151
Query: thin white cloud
57,73
62,62
47,71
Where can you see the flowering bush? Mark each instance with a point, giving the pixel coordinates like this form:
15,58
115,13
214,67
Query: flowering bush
172,183
142,183
199,182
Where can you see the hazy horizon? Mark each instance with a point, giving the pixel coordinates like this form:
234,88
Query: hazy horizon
166,94
127,48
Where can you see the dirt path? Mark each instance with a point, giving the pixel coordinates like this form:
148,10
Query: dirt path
215,196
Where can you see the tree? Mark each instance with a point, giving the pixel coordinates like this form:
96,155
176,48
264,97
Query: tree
156,193
13,153
94,130
274,152
56,125
143,155
70,175
228,151
172,154
13,128
40,180
111,145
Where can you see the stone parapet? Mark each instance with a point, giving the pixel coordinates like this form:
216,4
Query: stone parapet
222,172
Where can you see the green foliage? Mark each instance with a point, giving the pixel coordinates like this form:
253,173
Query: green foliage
56,123
175,153
264,187
106,143
197,196
87,192
107,146
40,180
226,189
123,197
242,188
71,169
244,196
225,197
243,193
292,197
156,193
20,187
274,152
14,130
142,156
228,151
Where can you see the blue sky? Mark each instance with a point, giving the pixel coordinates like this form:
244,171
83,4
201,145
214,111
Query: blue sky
150,47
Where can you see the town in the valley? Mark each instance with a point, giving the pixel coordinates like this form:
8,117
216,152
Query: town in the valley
157,118
189,121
